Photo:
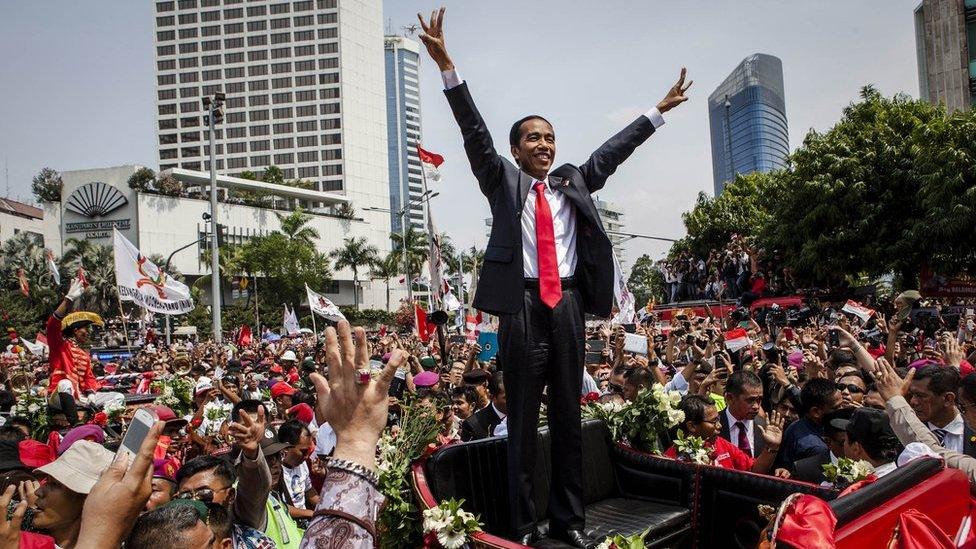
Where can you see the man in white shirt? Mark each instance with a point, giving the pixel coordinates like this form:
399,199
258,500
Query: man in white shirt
548,262
871,438
932,396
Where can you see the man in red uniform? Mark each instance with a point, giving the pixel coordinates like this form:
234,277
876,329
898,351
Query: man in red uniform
67,334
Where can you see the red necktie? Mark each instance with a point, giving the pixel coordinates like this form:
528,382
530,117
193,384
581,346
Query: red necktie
550,287
743,438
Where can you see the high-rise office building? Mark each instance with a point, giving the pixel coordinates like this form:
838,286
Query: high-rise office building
747,118
945,37
404,131
279,64
612,216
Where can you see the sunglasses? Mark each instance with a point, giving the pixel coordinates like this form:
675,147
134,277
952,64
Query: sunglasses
614,388
205,495
850,387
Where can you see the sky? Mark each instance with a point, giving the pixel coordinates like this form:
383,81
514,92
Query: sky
77,85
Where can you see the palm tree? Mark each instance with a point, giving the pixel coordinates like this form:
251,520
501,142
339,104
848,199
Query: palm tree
384,269
416,250
231,265
355,253
294,226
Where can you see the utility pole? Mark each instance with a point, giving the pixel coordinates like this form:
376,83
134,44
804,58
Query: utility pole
215,114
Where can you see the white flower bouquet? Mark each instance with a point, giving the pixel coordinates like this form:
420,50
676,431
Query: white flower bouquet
653,412
847,472
692,449
448,525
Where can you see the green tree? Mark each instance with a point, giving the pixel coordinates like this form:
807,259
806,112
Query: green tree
646,282
384,269
47,185
295,227
355,253
738,210
413,244
142,180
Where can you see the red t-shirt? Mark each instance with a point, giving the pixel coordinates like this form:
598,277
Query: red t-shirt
724,454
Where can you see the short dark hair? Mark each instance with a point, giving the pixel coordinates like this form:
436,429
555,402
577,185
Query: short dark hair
816,393
467,392
221,467
249,405
9,432
694,407
516,131
738,382
881,448
291,431
496,384
968,387
20,420
638,377
942,379
158,527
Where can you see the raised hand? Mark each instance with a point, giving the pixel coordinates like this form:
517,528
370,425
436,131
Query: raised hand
248,432
433,38
888,382
772,433
355,407
10,528
676,95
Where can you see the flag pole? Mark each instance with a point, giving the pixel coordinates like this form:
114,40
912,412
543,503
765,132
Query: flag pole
311,310
125,329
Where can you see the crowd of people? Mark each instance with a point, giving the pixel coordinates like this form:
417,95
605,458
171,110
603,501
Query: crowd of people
729,274
277,445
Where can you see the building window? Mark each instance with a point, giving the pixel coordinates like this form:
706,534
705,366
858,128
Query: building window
281,38
284,143
328,18
188,4
306,126
189,92
209,16
278,68
235,118
188,77
236,57
210,3
236,148
334,169
167,139
283,127
169,108
257,55
211,89
304,50
167,21
284,112
233,28
329,63
206,164
231,43
210,45
189,121
255,11
165,50
305,110
188,33
256,116
331,47
168,154
211,75
287,158
233,163
304,36
303,6
257,70
234,13
212,30
262,145
307,80
281,23
259,130
188,18
163,36
307,172
168,124
279,83
329,93
262,160
328,33
165,79
277,9
260,40
254,26
332,154
189,137
188,106
329,78
255,100
332,139
305,95
166,64
331,124
280,53
308,141
307,65
281,98
236,72
187,152
304,21
235,102
235,87
164,6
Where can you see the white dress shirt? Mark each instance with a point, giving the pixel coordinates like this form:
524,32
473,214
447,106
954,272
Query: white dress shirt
563,212
734,431
953,439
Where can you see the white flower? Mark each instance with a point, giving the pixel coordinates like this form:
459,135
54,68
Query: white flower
451,539
605,545
32,408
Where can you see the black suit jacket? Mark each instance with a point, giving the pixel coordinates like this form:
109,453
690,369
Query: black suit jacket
757,438
480,424
969,442
810,469
502,282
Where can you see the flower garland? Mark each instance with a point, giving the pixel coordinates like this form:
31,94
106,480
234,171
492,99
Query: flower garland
34,408
448,525
653,412
847,472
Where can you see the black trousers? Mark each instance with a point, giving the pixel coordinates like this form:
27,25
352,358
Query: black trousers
541,347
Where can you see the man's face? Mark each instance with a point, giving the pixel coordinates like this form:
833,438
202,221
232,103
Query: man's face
852,389
837,441
283,402
81,334
202,536
462,408
482,390
536,148
745,406
204,482
274,463
57,506
872,399
499,400
928,405
709,427
294,456
833,403
162,493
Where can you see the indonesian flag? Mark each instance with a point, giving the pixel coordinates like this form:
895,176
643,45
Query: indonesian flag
431,162
24,285
53,267
737,339
625,299
424,328
244,337
323,307
472,324
81,274
858,310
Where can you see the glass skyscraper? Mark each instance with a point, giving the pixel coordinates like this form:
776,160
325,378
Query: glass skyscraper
747,119
403,130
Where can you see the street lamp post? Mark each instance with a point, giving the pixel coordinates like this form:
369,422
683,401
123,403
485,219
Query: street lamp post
403,234
215,114
166,270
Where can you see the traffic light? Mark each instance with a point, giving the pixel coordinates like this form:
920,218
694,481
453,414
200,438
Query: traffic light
221,234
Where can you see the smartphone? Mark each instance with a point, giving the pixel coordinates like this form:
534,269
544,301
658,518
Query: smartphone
137,432
636,344
594,357
833,337
630,328
398,384
596,344
788,333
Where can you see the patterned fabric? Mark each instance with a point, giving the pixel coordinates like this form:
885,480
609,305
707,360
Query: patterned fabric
249,538
351,494
68,361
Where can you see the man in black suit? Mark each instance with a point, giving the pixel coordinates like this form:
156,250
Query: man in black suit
548,262
482,423
810,469
741,423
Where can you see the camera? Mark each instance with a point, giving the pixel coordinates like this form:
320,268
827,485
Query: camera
776,316
801,316
873,337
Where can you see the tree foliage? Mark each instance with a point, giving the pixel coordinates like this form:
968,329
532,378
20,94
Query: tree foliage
47,185
646,282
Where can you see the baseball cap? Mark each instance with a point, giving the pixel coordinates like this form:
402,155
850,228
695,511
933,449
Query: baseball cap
476,376
203,385
80,466
281,388
165,413
302,412
426,379
166,468
271,445
90,432
866,424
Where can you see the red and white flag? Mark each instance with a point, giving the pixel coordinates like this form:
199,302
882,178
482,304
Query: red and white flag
81,275
424,329
24,285
858,310
737,339
472,324
431,163
322,306
53,267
